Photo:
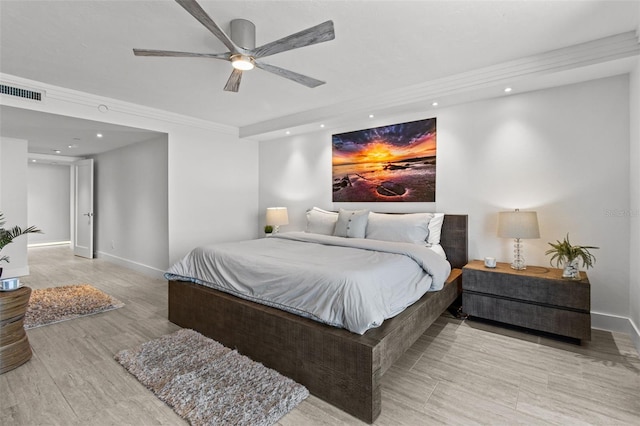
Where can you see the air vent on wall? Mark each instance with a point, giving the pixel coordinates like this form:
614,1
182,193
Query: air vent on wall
21,93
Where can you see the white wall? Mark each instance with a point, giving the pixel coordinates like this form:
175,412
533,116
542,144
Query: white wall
634,199
13,203
131,205
212,173
562,152
213,189
49,198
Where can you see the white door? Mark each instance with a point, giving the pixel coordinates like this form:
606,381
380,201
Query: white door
83,239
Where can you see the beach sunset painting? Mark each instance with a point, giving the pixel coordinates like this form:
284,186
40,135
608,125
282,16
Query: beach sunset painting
388,163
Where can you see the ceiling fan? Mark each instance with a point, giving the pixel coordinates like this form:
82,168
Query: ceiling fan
242,53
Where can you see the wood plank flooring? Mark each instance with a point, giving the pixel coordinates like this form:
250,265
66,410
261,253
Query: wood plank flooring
458,372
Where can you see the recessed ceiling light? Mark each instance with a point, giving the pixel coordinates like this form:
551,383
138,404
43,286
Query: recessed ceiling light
371,115
287,132
322,125
33,161
434,104
57,151
99,135
72,146
507,89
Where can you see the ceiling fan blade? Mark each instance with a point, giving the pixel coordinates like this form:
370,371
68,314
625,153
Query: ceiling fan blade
172,53
197,12
298,78
318,34
233,84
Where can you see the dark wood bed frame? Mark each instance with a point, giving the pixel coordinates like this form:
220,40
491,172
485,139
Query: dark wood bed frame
338,366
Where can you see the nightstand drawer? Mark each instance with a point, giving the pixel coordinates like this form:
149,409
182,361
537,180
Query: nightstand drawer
537,298
530,315
504,282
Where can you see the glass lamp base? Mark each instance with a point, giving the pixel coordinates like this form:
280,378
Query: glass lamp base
518,260
518,266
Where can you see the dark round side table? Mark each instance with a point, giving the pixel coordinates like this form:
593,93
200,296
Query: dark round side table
14,345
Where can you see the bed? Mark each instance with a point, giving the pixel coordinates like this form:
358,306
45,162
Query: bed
339,366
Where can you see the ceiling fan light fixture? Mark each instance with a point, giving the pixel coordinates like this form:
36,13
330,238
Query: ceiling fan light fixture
242,62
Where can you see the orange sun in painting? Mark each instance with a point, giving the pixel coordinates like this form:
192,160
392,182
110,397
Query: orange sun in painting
376,152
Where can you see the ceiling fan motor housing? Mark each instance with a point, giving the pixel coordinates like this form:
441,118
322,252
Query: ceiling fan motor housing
243,33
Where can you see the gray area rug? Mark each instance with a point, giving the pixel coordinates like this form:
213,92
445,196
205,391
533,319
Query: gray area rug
56,304
209,384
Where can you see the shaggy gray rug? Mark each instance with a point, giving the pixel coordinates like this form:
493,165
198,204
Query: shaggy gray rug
56,304
209,384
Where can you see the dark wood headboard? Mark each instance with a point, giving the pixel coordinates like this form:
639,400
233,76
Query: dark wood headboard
455,239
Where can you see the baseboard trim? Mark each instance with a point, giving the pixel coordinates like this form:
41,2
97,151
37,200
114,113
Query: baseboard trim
617,323
53,243
130,264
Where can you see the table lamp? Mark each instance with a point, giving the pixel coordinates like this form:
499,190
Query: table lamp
518,225
277,216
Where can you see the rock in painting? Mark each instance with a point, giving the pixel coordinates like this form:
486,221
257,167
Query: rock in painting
395,167
341,183
390,189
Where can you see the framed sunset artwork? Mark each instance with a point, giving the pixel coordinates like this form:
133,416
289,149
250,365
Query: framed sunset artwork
388,163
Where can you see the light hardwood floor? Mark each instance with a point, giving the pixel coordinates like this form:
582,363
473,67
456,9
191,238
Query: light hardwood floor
458,372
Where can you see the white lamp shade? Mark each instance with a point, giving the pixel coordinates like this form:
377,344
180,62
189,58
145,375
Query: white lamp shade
277,216
518,224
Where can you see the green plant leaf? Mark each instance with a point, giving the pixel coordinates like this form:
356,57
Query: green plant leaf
562,252
8,235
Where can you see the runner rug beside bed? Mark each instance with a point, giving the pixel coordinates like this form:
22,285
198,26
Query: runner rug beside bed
56,304
207,383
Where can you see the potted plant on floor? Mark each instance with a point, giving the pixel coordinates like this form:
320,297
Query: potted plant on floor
8,235
569,256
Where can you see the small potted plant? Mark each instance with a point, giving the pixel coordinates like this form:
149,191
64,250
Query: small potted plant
569,256
8,235
268,229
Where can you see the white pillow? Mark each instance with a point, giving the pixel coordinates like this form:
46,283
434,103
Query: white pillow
404,228
321,221
351,223
435,229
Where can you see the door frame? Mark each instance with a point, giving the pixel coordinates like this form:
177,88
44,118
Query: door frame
89,251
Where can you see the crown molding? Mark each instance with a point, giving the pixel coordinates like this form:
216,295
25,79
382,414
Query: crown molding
98,103
574,57
52,159
555,62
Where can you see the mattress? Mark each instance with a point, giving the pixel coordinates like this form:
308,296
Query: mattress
344,282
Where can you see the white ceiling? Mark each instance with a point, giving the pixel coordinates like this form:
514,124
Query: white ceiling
384,52
73,137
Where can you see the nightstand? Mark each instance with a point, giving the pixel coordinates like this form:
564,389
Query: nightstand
537,298
14,345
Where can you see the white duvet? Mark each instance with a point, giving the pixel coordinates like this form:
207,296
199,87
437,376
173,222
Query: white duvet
344,282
